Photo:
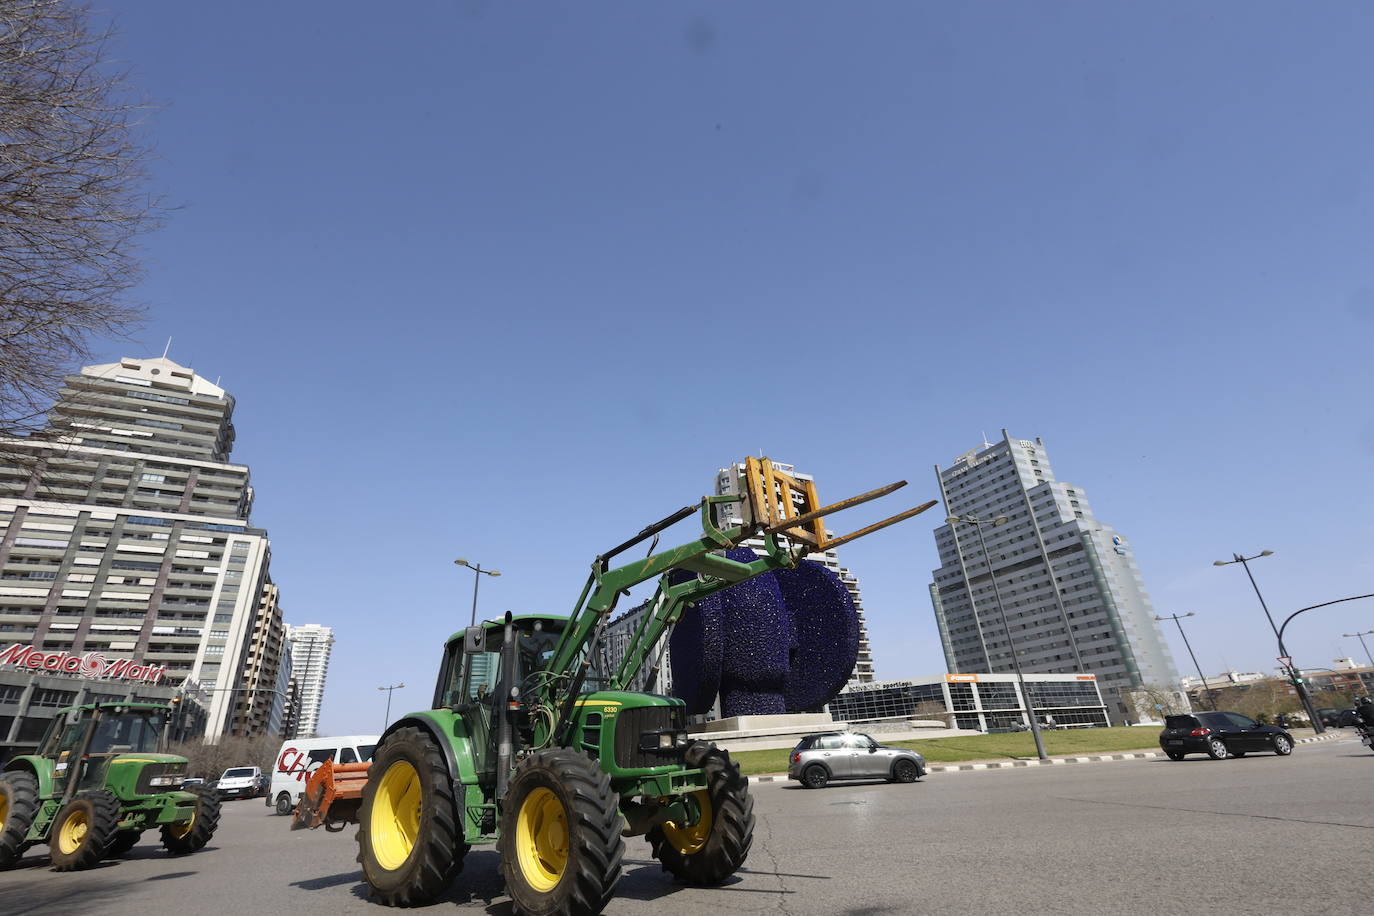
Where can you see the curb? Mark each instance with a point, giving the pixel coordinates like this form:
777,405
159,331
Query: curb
1053,761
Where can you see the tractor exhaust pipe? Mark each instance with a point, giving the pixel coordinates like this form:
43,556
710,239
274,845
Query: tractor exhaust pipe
505,695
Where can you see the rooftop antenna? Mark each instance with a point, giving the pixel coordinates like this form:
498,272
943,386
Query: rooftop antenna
167,348
986,443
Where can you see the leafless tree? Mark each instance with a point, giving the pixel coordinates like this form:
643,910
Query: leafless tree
73,202
1149,702
208,761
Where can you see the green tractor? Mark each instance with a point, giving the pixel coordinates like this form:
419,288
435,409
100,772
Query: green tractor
532,744
96,783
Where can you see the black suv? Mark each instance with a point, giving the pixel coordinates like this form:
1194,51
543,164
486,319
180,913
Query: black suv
1220,735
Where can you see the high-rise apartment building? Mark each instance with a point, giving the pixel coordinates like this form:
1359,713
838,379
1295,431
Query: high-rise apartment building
126,532
1073,595
310,648
258,704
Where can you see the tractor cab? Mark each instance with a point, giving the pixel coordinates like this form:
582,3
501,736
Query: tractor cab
110,744
471,679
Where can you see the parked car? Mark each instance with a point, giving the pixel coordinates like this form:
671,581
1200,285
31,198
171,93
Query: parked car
241,782
1330,716
1348,718
819,758
1220,735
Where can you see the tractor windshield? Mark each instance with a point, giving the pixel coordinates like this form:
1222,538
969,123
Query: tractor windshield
132,731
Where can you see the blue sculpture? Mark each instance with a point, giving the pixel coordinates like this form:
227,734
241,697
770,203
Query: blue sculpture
782,642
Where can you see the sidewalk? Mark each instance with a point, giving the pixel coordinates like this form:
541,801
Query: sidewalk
1300,736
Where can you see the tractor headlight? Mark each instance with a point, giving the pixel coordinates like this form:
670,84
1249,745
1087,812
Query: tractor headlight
663,741
173,781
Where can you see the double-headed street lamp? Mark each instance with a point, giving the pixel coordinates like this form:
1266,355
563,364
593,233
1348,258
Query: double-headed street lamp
978,523
1245,561
1360,636
1206,691
388,702
476,580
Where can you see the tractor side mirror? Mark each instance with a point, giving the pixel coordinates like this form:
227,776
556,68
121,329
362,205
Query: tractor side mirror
474,640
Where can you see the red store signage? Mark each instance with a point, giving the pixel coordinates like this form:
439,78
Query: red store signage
92,664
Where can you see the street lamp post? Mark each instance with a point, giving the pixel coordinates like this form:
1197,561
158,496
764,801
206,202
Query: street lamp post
1360,636
1294,674
476,580
1206,691
388,702
1245,561
978,524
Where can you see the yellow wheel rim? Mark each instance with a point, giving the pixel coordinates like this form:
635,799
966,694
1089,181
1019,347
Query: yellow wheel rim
73,832
691,837
4,808
180,831
395,822
541,840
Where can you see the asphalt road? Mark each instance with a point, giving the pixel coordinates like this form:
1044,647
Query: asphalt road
1251,835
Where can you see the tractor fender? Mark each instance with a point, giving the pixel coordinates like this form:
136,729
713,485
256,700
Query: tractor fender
39,767
436,731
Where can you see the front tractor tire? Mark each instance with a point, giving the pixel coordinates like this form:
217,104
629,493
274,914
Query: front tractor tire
410,843
191,836
18,806
82,830
715,842
560,837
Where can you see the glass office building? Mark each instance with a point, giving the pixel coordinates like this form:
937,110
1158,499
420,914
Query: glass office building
984,702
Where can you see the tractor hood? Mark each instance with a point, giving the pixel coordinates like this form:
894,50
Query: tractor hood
143,774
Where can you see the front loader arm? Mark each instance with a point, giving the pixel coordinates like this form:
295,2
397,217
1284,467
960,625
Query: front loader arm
782,509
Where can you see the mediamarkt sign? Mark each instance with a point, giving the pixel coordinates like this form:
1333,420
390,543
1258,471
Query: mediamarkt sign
92,664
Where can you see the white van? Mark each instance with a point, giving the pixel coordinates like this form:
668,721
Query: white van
301,757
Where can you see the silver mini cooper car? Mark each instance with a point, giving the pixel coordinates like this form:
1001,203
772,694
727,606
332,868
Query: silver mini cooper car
817,759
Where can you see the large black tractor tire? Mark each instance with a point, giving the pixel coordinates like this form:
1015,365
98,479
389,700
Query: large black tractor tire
410,841
82,830
123,841
18,806
716,843
560,839
180,839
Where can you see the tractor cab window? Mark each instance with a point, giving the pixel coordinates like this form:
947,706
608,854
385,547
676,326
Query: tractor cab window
64,740
480,683
535,650
135,732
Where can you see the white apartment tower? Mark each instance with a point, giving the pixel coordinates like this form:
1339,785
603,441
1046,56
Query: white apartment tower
310,648
126,530
1070,586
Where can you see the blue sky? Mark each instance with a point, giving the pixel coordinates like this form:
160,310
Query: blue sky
511,282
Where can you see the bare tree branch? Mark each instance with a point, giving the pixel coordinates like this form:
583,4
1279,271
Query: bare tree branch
73,205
